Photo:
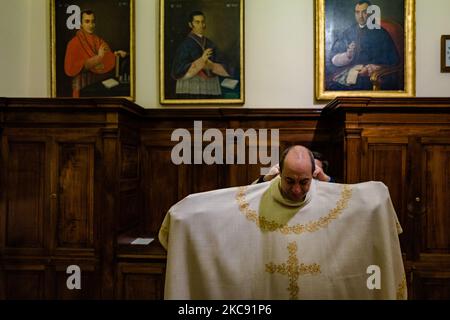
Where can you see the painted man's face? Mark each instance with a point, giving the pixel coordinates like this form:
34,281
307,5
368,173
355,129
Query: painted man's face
198,24
361,13
88,23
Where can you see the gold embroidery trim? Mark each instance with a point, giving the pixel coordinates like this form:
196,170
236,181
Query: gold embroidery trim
293,270
401,290
312,226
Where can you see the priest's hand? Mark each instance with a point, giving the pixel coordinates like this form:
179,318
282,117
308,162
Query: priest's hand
320,175
273,172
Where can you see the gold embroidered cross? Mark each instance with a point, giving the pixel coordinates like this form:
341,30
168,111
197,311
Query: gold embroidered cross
293,269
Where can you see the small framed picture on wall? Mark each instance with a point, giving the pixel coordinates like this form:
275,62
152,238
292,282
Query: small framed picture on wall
445,53
92,48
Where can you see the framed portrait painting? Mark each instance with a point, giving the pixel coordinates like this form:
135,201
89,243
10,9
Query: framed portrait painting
201,52
365,48
92,48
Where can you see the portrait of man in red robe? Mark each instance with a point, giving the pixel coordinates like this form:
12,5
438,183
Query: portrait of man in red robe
92,48
88,58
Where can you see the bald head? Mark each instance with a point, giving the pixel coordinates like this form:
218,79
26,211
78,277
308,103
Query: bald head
297,154
296,167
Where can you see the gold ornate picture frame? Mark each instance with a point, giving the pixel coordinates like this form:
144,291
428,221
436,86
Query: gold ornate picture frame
364,48
201,52
92,48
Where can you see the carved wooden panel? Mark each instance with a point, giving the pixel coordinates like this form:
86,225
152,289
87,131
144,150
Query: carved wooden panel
89,281
352,163
164,184
431,285
436,189
129,214
206,177
75,205
253,171
130,162
25,190
386,160
141,281
25,282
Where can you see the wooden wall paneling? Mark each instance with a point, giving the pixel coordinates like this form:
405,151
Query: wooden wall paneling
352,154
81,172
206,178
414,196
2,280
130,190
305,134
99,192
75,214
129,161
253,172
335,156
3,194
121,138
163,183
26,193
238,143
130,212
239,175
26,281
385,159
244,142
156,171
90,281
392,130
431,285
3,198
435,191
203,177
335,144
140,281
111,205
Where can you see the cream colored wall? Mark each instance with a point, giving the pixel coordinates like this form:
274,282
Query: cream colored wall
279,51
24,49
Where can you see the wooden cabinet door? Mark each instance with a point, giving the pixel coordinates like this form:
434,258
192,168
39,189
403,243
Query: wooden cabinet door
48,198
25,194
434,215
46,207
417,172
386,160
73,196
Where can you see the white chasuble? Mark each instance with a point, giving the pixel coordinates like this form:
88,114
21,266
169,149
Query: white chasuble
341,242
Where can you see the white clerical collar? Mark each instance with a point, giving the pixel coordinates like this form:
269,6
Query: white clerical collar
278,196
275,207
362,26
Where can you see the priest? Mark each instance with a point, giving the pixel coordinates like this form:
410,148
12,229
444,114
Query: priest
291,238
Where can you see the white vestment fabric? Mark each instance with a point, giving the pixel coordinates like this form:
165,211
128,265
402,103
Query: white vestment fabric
341,243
